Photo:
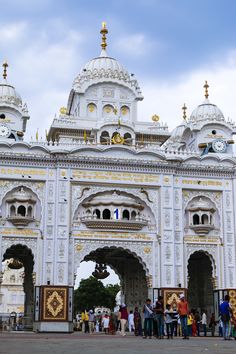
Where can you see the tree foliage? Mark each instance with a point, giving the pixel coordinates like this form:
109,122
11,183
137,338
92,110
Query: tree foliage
91,293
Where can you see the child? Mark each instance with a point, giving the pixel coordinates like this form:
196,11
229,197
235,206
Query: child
105,323
168,320
189,323
212,324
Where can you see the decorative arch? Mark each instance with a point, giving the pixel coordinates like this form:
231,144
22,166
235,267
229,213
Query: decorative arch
142,253
209,252
28,188
88,193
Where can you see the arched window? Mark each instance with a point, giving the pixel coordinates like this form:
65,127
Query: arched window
125,214
133,215
12,210
106,214
128,139
204,219
21,210
124,111
30,211
91,110
196,220
108,110
105,138
97,213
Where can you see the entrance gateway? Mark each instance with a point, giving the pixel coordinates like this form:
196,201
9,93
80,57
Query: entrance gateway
157,207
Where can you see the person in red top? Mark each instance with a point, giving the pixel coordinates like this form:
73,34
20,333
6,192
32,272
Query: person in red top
123,318
183,314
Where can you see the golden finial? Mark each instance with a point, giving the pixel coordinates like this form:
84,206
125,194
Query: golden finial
155,118
206,86
5,66
37,135
184,108
103,32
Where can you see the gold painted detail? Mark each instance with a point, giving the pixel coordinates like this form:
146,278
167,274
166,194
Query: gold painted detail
104,32
155,118
118,139
202,183
166,179
113,235
124,111
232,295
19,232
147,250
91,107
21,171
79,247
63,110
55,304
202,239
115,176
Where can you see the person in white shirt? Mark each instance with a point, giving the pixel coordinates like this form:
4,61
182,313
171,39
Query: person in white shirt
105,323
204,322
131,321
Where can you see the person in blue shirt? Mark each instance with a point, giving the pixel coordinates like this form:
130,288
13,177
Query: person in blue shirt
225,312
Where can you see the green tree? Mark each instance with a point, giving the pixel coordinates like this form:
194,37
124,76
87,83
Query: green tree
91,293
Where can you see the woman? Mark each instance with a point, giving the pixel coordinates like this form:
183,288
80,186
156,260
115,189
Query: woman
137,323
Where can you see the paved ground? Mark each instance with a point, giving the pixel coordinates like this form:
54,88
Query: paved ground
77,343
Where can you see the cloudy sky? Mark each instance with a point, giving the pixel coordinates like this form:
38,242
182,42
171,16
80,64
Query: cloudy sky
171,45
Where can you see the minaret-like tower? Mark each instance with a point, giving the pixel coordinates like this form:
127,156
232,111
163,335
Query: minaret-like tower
13,114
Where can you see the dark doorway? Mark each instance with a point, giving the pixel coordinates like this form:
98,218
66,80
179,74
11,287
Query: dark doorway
200,286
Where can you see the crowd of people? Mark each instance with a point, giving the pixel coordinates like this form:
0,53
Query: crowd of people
155,321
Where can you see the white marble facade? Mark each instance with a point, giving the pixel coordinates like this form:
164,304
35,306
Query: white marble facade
105,180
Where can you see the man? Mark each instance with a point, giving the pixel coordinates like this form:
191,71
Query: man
159,315
148,318
183,314
225,311
91,321
204,322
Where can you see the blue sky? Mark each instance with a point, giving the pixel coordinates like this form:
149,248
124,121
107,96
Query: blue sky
171,45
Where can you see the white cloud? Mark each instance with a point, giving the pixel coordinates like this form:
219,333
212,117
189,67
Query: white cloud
136,45
167,98
12,32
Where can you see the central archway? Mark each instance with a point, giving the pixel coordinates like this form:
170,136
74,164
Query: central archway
129,268
200,286
21,256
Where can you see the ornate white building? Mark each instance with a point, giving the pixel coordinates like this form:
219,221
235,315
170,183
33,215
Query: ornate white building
159,208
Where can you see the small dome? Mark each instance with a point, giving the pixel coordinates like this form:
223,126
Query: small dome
206,112
106,63
105,67
9,95
178,132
